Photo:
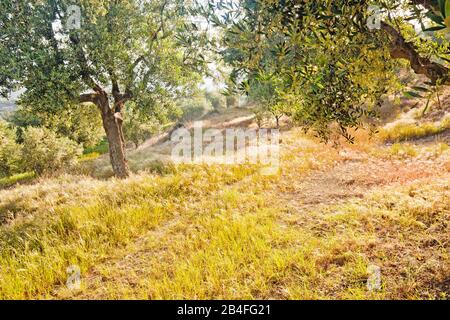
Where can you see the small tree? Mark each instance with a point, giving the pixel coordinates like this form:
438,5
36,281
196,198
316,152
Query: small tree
278,111
264,94
217,100
260,115
137,130
195,107
232,101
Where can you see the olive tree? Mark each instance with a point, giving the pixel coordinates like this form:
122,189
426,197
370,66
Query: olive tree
103,52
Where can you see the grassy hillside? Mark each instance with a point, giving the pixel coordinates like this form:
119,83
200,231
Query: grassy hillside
120,178
310,231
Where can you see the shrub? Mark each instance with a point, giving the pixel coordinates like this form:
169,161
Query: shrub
404,132
138,130
231,101
403,150
80,123
9,151
101,148
43,151
261,115
17,179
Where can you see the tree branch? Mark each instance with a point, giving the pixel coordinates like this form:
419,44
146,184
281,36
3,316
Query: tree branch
85,72
401,49
88,97
155,37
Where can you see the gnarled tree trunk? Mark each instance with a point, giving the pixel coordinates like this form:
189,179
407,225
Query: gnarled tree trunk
112,123
401,49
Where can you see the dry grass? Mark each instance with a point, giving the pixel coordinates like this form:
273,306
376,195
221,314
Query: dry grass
63,221
258,239
22,178
309,232
410,131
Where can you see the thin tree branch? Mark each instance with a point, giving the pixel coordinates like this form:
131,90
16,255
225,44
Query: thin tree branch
85,72
154,38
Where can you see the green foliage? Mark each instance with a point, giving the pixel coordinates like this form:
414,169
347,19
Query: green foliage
101,148
9,151
138,128
141,53
17,179
133,44
45,152
232,101
440,17
195,107
267,96
80,123
137,132
330,67
260,115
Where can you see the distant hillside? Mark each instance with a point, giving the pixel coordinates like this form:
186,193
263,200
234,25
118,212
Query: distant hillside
6,107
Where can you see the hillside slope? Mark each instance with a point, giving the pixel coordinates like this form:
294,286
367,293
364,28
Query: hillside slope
312,231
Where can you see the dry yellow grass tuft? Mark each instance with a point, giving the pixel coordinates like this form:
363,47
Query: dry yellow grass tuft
409,131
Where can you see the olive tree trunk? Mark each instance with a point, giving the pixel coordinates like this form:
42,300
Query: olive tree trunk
112,123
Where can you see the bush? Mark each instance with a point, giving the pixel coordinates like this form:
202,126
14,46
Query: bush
101,148
80,123
192,113
17,179
43,151
9,151
408,131
231,101
261,115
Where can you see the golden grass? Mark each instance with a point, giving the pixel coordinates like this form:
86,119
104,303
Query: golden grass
242,244
229,232
410,151
408,131
79,226
17,179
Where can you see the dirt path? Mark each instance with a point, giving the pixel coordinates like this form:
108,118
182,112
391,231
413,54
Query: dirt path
358,175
